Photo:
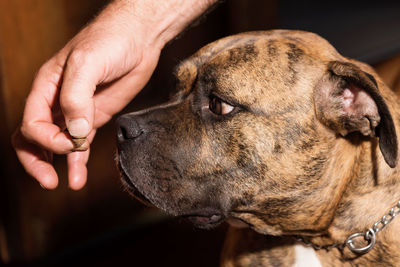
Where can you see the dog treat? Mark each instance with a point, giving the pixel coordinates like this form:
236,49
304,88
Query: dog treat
78,144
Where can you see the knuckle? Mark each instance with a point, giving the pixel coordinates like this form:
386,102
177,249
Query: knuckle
70,102
47,65
43,69
25,130
80,57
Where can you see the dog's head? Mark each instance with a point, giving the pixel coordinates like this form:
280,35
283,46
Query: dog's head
260,123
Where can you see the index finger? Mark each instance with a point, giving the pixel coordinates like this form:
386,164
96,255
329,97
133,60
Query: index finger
37,124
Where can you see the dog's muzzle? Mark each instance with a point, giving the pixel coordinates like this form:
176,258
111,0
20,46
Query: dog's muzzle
150,175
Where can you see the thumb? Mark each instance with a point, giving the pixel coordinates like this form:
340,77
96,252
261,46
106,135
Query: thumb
80,78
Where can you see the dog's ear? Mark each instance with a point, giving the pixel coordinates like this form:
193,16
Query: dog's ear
347,100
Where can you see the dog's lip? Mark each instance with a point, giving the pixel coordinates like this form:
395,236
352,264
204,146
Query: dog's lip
132,189
205,218
135,192
202,221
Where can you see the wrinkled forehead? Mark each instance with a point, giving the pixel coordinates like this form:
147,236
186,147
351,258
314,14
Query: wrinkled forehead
251,66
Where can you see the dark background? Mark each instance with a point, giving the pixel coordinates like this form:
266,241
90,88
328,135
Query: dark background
102,225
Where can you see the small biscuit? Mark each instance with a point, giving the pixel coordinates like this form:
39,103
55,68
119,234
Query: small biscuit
78,144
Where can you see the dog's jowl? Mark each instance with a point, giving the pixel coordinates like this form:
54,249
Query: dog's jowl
279,134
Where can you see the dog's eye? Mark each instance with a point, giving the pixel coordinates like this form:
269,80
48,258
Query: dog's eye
219,107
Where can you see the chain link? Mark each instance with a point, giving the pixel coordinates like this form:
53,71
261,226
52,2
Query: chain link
369,235
387,218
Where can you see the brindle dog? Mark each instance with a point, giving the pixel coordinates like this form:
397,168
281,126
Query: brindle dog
278,132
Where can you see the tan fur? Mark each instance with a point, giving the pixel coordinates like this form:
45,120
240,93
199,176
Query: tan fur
256,250
284,164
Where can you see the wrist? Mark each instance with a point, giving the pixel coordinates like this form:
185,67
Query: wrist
157,22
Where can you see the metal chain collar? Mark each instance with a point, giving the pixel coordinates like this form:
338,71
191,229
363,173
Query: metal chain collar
369,235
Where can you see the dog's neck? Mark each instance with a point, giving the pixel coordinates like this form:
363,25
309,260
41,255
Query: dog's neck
372,189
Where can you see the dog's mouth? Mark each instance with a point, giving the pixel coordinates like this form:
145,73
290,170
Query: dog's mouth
205,222
205,219
198,219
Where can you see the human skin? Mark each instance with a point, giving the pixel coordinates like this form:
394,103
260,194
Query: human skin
118,51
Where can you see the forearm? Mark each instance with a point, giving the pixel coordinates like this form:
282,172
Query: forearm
158,21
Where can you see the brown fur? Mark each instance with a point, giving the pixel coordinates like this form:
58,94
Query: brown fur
289,159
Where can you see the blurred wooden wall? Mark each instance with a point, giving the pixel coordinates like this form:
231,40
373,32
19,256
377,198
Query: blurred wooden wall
31,31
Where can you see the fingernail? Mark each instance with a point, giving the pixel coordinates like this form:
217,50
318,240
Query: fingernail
78,128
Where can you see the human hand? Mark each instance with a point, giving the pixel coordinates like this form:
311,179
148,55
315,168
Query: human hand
108,53
93,77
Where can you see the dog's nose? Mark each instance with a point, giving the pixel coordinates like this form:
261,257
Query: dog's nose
128,129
